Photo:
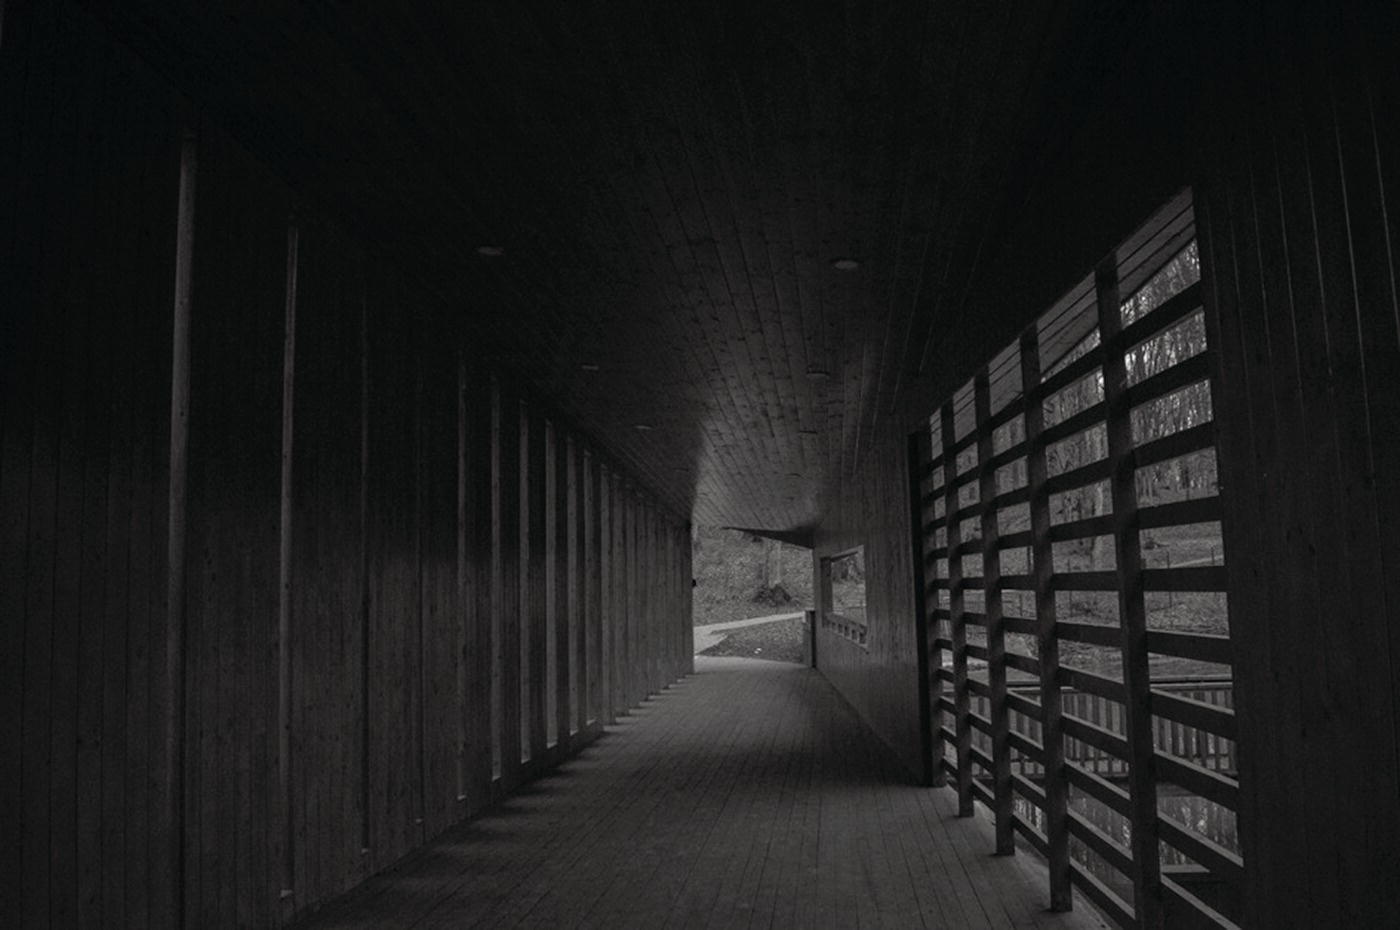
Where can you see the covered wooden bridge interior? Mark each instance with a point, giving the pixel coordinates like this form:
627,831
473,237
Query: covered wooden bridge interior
365,367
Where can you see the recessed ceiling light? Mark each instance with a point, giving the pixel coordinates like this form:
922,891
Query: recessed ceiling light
793,474
490,251
818,374
845,264
590,366
641,426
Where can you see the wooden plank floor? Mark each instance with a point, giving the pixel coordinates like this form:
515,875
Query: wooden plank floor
747,795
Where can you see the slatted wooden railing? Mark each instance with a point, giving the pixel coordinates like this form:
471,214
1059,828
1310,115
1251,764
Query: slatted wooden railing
1053,456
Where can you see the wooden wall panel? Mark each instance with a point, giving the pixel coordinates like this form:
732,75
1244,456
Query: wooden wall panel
233,501
1299,256
131,798
442,608
328,572
881,681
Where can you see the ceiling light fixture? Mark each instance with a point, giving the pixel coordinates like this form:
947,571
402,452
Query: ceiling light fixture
641,426
818,374
490,251
845,264
590,366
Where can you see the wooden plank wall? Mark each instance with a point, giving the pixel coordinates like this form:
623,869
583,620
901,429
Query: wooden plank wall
880,679
1300,236
335,482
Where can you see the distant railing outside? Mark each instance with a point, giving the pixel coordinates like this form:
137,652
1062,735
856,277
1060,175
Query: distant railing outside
1068,541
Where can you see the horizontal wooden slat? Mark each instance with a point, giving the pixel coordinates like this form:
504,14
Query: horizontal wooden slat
1017,583
1013,409
1024,744
1082,529
976,651
979,687
1182,442
1022,663
968,511
1085,581
1024,705
1033,836
1114,907
935,553
1208,853
1098,788
1022,625
1100,842
1089,633
1088,682
1200,510
1028,790
947,765
978,756
1203,647
1202,781
1170,312
1195,578
1198,714
1087,418
975,618
1005,457
1191,371
946,674
977,721
1068,375
1013,497
1095,735
1079,477
968,546
980,791
1203,911
1015,540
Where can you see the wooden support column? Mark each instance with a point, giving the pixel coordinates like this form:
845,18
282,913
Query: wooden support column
996,636
175,646
956,622
1142,779
1047,642
565,567
920,457
535,602
284,586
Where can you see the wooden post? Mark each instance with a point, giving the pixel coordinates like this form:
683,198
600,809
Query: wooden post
957,624
919,458
175,543
1142,780
1047,642
996,637
284,587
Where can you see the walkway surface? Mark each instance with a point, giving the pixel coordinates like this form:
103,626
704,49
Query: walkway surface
711,633
747,795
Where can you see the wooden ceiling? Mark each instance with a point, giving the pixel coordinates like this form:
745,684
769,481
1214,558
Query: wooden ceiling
671,186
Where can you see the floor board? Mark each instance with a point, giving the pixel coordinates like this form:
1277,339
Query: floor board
746,796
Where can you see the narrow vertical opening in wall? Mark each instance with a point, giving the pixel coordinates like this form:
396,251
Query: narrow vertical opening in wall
497,581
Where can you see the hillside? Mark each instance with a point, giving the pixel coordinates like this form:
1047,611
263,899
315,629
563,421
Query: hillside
738,575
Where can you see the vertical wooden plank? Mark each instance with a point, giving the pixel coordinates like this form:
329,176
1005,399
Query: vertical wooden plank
1142,780
509,543
175,756
535,601
481,539
565,593
919,450
284,583
598,590
580,616
996,637
1047,642
464,646
364,690
957,626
